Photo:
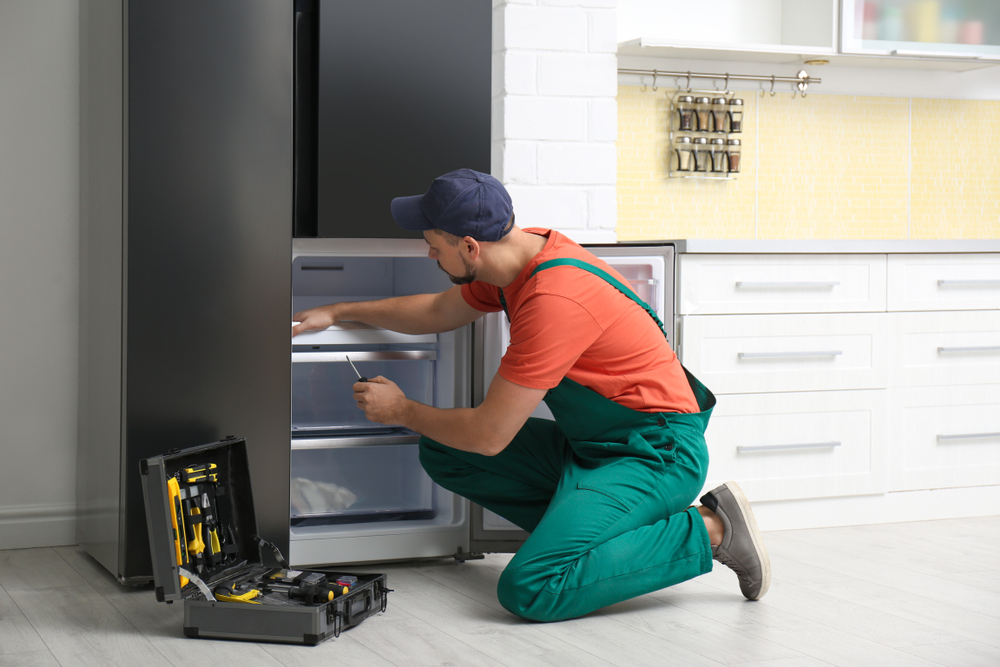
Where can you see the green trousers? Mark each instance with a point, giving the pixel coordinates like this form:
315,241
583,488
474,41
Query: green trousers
604,492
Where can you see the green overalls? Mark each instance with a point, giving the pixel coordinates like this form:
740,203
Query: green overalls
604,491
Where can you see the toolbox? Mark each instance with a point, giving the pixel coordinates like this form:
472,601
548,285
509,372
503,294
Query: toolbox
206,552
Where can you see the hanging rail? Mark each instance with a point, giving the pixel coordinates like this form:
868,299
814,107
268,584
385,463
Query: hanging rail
801,80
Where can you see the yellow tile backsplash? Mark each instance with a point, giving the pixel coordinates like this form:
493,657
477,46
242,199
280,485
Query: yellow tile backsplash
820,167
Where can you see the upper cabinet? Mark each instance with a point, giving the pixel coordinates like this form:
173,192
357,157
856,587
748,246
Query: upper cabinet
924,34
962,29
727,29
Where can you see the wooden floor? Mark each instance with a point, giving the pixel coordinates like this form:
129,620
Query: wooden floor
912,594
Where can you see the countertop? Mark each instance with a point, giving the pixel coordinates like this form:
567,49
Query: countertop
724,246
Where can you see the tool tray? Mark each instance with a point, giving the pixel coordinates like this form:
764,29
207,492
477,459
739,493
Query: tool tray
202,497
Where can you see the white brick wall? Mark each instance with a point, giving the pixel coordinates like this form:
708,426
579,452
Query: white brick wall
555,118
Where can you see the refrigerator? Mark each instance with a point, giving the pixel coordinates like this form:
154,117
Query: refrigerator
238,158
358,492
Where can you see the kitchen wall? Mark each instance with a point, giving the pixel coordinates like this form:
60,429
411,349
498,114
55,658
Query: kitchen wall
820,167
554,113
38,271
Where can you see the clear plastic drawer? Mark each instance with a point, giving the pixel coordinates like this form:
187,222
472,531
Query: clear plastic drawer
357,484
322,395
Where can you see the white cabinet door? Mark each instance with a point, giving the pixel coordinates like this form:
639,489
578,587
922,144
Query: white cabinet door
800,445
734,354
945,438
724,284
959,29
944,282
944,348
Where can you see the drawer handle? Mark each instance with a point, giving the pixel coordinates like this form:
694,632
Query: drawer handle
967,436
772,355
985,348
771,448
793,284
967,283
387,355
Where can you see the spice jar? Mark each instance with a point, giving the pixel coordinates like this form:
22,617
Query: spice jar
703,110
685,154
685,113
719,113
733,149
702,154
719,155
736,115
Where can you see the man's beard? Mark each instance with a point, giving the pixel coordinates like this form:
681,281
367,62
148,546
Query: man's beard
470,273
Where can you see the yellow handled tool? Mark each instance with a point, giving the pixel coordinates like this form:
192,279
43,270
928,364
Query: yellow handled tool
196,545
177,522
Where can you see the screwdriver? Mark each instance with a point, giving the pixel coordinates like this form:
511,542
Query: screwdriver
360,377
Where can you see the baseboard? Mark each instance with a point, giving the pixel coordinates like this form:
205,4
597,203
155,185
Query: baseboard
891,507
28,526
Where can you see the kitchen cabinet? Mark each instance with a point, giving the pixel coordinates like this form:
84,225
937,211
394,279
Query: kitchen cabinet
944,378
954,35
960,29
864,371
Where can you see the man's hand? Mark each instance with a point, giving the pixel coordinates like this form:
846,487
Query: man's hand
382,401
314,319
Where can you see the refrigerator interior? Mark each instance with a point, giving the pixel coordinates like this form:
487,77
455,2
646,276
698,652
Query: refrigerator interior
358,491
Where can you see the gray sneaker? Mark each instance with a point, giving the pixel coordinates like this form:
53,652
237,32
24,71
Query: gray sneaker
742,547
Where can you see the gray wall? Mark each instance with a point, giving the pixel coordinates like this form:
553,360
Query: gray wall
39,177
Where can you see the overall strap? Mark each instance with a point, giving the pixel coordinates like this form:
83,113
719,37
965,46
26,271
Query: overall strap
600,273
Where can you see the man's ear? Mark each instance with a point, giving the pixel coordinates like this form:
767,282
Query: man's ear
471,248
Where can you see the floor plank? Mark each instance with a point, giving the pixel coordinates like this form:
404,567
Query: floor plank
826,554
33,659
965,654
806,638
80,627
16,633
35,570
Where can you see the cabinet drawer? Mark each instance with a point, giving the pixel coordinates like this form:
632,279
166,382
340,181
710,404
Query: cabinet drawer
944,348
944,282
803,445
739,354
945,438
724,284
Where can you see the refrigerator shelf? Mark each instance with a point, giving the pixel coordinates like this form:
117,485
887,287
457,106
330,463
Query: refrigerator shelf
355,333
391,437
378,355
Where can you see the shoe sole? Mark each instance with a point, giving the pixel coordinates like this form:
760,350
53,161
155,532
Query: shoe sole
755,536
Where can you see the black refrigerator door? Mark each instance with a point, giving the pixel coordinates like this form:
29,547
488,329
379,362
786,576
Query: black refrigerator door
403,94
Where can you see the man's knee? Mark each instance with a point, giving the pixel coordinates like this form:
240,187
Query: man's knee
526,593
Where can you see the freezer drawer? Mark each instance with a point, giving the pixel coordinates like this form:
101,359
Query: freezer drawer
322,395
359,484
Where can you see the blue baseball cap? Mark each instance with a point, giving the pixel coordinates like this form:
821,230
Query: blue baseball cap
462,202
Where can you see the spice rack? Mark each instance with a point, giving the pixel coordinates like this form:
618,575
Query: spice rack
706,129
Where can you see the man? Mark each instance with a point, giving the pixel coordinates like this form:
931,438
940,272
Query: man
605,489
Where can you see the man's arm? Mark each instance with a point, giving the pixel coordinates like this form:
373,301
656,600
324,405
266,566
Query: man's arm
417,314
486,429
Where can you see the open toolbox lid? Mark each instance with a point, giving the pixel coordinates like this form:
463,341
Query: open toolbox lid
225,503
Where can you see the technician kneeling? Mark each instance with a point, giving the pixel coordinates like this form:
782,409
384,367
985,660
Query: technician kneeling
605,490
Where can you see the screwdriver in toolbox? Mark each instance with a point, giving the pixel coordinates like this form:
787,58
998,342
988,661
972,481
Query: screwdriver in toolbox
360,377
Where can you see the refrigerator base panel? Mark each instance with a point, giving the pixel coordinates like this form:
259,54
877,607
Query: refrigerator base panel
315,550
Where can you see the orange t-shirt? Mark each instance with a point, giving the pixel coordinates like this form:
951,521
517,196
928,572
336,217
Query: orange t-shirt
567,322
